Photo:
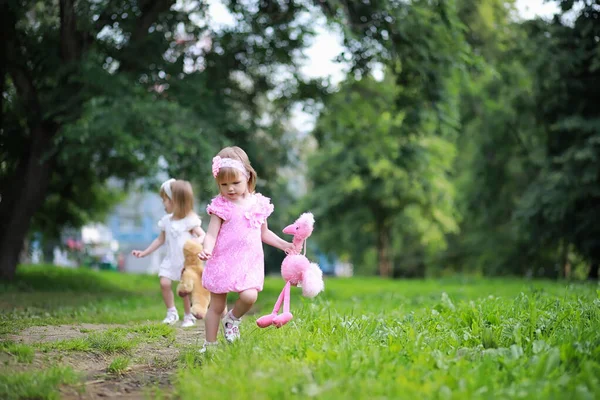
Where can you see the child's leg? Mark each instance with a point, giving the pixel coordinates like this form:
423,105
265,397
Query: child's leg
187,305
245,302
167,292
188,318
169,299
218,302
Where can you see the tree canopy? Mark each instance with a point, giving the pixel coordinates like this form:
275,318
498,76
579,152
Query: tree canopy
98,90
463,138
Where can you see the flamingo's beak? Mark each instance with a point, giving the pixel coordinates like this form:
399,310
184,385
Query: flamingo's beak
290,229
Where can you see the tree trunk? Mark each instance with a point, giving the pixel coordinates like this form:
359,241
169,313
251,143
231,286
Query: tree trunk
23,192
564,267
3,55
22,197
24,188
593,274
383,251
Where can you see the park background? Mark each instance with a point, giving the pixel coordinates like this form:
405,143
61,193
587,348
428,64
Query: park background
427,137
452,145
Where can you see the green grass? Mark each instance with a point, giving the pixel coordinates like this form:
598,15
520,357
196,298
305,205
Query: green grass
113,340
22,352
119,365
433,339
151,332
452,338
107,342
42,384
52,296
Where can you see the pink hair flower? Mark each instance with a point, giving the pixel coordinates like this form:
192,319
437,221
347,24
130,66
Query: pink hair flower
216,165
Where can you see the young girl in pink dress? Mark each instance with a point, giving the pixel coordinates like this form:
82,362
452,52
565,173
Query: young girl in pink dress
233,243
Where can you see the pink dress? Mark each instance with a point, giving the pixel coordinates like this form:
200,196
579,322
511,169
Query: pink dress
237,261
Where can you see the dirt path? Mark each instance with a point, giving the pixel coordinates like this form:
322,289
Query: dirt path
151,366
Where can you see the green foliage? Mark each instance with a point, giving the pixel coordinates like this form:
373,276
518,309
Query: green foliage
477,151
561,204
124,90
377,175
528,171
381,173
500,143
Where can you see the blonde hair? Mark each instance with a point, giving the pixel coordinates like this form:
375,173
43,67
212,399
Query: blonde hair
227,173
183,198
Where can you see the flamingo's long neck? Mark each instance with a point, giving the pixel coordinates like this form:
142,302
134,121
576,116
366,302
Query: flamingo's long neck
298,242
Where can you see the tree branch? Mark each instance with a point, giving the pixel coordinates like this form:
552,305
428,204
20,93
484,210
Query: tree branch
7,24
27,92
70,43
18,70
150,12
327,8
105,17
151,9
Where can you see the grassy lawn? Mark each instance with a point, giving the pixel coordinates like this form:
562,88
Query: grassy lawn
363,338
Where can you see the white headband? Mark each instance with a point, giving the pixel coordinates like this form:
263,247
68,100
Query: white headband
166,187
218,163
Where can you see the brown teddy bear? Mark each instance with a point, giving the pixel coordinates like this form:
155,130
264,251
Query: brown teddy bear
191,279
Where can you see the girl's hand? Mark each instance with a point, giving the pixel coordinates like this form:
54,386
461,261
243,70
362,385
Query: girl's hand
289,248
138,253
204,255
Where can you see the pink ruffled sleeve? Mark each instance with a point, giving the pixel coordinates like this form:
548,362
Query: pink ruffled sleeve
260,212
220,207
265,205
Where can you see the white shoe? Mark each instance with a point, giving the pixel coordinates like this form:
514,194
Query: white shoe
208,346
188,321
231,327
171,318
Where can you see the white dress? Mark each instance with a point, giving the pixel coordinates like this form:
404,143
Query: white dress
177,232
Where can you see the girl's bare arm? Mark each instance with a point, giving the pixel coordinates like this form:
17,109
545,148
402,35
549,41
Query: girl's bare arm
199,233
211,237
159,241
270,238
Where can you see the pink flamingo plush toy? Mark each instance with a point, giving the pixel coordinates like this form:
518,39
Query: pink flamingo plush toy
297,271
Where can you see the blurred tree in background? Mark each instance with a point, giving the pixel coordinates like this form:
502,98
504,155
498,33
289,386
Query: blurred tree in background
561,206
101,89
530,177
379,180
500,142
524,183
381,173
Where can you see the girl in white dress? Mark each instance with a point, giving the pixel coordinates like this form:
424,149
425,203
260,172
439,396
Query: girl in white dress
179,225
